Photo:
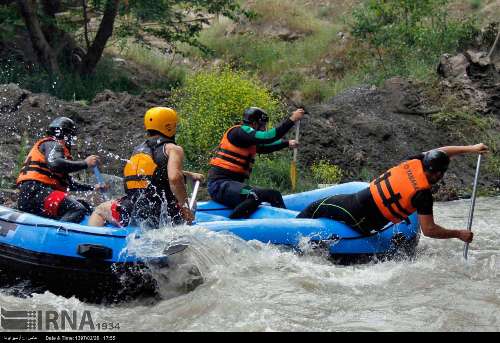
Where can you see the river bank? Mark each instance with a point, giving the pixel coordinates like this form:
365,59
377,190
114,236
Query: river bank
363,130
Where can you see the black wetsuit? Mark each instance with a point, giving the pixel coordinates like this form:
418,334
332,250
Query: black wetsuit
38,198
359,211
229,188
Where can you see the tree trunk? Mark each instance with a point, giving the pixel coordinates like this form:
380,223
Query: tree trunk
62,43
44,51
51,7
104,32
86,24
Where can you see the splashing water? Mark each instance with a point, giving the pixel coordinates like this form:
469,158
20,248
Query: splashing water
252,286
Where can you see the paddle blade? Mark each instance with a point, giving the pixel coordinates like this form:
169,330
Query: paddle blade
293,175
174,249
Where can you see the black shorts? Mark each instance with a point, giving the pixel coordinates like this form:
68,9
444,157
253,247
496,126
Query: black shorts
45,201
228,192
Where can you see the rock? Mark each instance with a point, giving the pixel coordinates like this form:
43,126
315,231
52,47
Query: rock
110,126
453,66
8,198
402,97
119,60
473,78
288,35
362,131
34,101
478,57
272,30
103,97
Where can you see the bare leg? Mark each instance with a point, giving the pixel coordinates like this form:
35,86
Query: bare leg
102,215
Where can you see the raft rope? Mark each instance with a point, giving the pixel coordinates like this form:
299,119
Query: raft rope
59,227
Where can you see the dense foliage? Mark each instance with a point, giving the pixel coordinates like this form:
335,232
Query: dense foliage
325,172
405,32
212,101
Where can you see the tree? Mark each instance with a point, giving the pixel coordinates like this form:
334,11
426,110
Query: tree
55,26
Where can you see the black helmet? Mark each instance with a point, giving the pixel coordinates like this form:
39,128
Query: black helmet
255,115
436,160
62,127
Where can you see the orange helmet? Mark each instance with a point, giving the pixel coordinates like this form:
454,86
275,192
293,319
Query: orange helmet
161,119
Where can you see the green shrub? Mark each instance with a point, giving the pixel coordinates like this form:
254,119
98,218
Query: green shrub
475,4
9,21
366,175
456,121
317,91
272,171
325,172
290,81
407,35
493,165
212,101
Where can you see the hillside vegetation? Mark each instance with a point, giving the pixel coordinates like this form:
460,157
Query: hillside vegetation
282,54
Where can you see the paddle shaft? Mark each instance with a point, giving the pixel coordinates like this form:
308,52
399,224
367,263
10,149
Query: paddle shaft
194,194
100,180
473,203
297,132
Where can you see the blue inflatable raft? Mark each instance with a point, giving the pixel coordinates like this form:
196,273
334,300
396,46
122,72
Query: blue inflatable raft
69,259
279,226
76,259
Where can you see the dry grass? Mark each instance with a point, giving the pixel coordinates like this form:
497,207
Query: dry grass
152,59
487,10
290,14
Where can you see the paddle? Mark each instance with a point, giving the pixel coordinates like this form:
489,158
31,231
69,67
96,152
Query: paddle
293,165
473,203
100,181
194,194
177,248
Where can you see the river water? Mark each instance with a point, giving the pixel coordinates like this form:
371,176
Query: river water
250,286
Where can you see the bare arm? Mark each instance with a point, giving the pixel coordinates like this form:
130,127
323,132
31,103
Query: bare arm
175,174
464,149
431,229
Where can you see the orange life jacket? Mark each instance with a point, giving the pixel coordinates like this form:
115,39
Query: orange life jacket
139,170
233,158
35,167
394,190
142,171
